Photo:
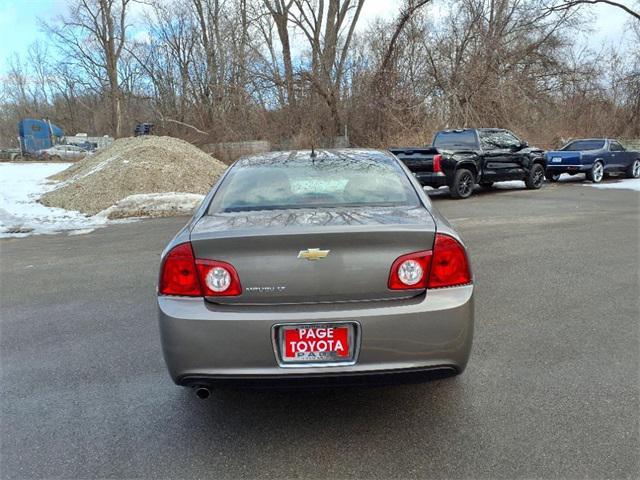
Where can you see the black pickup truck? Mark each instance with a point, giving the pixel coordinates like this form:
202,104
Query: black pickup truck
461,158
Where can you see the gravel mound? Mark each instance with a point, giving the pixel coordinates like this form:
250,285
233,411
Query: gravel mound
132,166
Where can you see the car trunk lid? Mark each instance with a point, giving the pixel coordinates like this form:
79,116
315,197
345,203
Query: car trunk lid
273,252
562,158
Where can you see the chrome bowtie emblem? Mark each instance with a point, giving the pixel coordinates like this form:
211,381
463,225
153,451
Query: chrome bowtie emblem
313,254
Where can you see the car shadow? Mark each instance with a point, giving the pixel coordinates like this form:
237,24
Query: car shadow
251,410
236,430
442,193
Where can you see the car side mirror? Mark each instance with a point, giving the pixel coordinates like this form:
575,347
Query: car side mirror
524,144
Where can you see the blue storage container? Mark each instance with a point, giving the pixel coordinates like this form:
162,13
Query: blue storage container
38,134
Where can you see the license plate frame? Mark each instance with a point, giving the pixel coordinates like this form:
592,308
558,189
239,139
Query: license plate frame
353,335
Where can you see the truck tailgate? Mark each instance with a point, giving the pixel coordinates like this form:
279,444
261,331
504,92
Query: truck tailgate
418,159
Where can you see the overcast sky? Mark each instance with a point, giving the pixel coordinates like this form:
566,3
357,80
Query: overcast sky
19,25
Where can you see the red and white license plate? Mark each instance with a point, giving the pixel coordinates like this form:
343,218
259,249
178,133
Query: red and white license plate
317,343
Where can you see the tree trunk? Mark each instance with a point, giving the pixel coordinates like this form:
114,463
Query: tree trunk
280,11
283,34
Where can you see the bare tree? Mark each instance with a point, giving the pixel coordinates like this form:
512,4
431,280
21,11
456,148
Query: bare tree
576,3
93,36
209,17
329,32
168,56
266,69
294,71
410,8
280,11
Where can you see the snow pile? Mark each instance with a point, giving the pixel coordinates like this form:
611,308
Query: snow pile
20,215
153,205
133,166
624,184
21,185
510,185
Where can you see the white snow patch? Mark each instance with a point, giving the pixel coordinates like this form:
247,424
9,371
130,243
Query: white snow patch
154,205
510,184
21,184
84,231
567,176
624,184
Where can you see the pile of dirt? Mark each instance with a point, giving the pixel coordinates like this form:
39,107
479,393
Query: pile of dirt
132,166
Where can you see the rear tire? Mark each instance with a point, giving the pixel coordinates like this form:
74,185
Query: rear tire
596,173
552,177
462,185
634,169
535,178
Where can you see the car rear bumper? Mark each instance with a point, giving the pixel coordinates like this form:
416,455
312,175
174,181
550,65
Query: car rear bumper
568,168
382,377
428,179
214,344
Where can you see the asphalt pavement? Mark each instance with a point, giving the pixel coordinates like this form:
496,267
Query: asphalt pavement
551,390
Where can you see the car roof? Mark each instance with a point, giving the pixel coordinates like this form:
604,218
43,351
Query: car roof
592,139
302,156
473,129
456,130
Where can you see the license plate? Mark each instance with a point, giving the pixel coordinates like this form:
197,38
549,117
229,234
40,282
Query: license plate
556,160
316,343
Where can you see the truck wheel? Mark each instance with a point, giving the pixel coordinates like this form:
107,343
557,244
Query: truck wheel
596,173
552,177
535,178
634,169
462,185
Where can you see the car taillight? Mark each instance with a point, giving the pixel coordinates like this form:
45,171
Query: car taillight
437,167
410,271
444,266
449,265
184,275
218,278
178,275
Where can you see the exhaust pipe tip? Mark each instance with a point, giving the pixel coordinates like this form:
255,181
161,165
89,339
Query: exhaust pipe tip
203,393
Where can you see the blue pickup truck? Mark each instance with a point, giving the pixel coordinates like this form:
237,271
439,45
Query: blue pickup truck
594,157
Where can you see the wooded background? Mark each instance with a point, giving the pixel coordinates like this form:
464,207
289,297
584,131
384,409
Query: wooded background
298,72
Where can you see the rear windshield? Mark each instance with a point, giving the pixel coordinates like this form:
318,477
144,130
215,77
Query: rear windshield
582,145
330,182
465,139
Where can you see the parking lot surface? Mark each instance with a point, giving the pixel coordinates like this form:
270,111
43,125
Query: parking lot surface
552,388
